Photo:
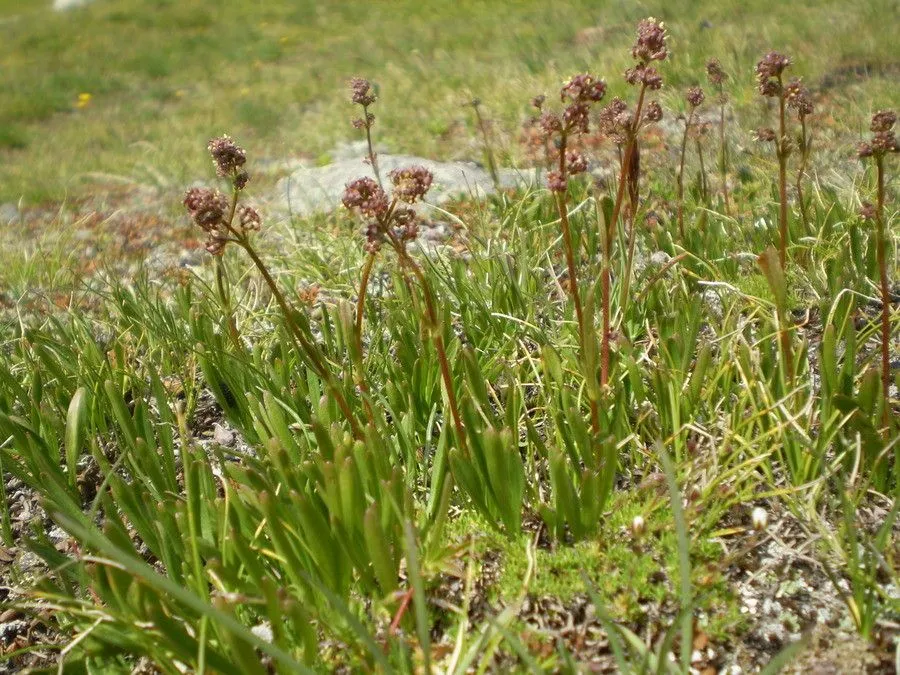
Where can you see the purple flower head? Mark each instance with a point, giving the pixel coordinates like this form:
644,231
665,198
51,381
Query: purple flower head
643,74
768,73
411,183
614,120
715,73
227,156
556,182
249,219
583,89
206,207
651,41
799,98
575,162
883,120
864,150
695,96
366,196
538,101
884,142
550,123
576,118
361,92
653,112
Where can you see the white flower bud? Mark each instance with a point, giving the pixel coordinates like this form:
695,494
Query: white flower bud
759,518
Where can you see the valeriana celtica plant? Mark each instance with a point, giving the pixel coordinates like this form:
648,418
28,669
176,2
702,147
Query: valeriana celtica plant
770,77
882,144
623,127
226,222
579,94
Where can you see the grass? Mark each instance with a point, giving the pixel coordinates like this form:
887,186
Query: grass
229,477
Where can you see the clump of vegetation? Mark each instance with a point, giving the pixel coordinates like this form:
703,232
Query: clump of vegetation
249,477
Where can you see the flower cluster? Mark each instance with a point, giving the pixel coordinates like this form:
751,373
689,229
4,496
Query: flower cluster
769,71
361,92
579,93
651,41
411,183
615,120
715,73
695,96
799,99
884,139
384,216
228,159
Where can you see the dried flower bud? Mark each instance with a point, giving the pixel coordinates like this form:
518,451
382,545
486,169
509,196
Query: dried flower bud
365,195
867,211
538,101
759,518
249,219
207,207
654,112
361,92
715,73
227,156
411,183
864,150
575,162
769,88
764,135
695,96
556,182
883,120
651,41
215,245
638,527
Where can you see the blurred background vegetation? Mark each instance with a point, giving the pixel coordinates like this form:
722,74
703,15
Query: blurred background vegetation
120,85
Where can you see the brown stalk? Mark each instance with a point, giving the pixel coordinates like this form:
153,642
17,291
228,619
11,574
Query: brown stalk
881,254
782,176
680,184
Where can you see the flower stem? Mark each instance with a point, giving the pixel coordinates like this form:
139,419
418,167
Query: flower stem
306,347
373,158
680,184
782,177
723,157
881,253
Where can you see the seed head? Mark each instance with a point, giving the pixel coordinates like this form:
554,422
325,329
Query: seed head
556,182
366,196
651,41
654,112
768,73
614,120
411,183
884,142
361,92
715,73
227,156
241,180
695,96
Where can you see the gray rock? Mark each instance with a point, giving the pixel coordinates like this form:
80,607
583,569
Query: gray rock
318,189
9,213
64,5
223,436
